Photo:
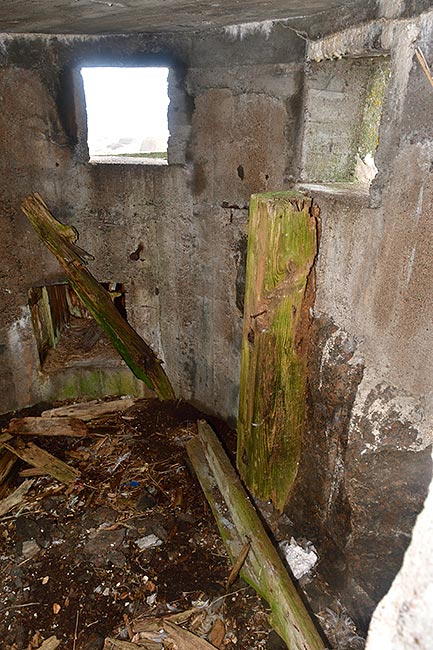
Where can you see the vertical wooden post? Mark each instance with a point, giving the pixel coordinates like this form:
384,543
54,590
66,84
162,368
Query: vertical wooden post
282,247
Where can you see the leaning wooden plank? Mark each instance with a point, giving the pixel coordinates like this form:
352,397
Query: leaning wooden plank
55,426
184,639
239,523
60,240
87,411
37,457
15,498
282,247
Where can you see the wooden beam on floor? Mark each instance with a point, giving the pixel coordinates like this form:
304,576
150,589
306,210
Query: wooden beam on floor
45,427
239,524
92,410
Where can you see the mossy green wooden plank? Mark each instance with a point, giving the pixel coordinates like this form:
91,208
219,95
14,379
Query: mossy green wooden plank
60,240
239,523
282,247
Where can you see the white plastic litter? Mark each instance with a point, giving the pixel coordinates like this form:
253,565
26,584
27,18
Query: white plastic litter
150,541
118,462
151,600
300,560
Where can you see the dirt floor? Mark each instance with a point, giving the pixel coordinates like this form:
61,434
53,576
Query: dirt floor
133,540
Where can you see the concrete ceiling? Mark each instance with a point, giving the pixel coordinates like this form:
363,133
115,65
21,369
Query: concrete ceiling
132,16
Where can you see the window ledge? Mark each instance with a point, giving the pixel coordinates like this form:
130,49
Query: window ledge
126,160
337,190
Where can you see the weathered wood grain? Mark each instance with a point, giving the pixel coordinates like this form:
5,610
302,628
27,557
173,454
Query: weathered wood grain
7,461
37,457
282,247
55,426
239,524
15,498
87,411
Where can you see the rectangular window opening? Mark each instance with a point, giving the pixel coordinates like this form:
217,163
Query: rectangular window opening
344,101
127,112
66,333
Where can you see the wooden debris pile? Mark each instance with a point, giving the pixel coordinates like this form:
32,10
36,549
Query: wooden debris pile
68,421
107,541
14,446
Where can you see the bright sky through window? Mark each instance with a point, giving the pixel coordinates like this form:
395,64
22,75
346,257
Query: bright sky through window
126,110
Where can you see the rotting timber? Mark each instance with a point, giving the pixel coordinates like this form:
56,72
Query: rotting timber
60,239
282,248
240,525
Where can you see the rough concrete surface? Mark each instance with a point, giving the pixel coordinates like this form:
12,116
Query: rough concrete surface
90,17
370,419
236,120
190,220
404,618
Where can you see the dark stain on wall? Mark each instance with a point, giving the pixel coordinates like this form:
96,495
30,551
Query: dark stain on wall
356,500
241,264
198,181
318,491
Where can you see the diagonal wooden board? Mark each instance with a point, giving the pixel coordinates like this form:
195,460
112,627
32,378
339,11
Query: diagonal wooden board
60,240
239,523
37,457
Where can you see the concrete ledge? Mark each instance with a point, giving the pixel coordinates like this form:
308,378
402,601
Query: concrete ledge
359,193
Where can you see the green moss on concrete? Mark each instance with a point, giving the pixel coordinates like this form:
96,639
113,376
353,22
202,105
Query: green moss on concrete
369,130
67,388
88,382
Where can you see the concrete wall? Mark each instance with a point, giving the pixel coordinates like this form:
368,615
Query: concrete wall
236,118
237,107
404,617
366,464
247,96
112,207
343,100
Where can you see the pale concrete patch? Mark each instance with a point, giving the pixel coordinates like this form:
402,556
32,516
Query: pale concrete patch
404,618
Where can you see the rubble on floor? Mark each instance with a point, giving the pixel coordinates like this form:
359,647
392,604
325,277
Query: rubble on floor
125,556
